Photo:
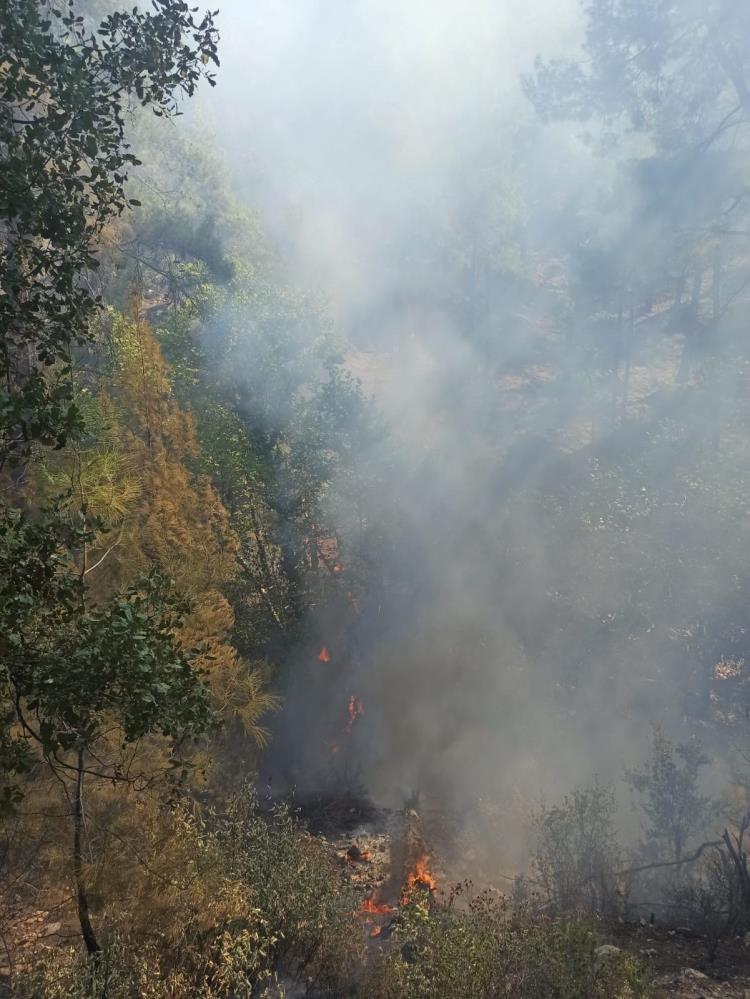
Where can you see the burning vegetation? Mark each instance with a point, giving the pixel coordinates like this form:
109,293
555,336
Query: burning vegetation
355,709
420,461
420,877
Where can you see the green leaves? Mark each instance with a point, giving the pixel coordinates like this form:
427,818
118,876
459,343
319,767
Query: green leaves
68,670
63,96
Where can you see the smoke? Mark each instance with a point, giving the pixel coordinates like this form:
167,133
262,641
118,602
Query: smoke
349,124
524,629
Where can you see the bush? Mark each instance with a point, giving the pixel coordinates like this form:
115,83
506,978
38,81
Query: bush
576,854
222,907
489,952
712,897
307,903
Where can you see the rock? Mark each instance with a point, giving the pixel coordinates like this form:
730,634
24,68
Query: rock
605,953
693,975
607,950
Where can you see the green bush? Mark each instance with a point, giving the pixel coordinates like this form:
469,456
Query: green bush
224,908
576,853
304,896
485,951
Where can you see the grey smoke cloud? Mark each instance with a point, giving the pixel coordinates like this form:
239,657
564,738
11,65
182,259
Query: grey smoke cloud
383,142
346,121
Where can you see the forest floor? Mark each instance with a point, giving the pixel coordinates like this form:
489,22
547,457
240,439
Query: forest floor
377,848
680,962
374,845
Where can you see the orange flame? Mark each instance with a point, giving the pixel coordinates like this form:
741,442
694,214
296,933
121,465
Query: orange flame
356,708
420,876
376,908
376,931
324,655
333,747
364,857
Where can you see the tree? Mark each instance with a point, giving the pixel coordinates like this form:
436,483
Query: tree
64,92
176,521
669,796
664,88
87,673
82,684
677,72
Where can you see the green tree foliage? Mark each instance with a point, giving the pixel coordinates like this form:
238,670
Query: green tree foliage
677,71
669,796
64,93
663,92
81,684
70,667
287,436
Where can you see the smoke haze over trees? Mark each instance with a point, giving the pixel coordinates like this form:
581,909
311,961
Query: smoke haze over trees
529,228
373,428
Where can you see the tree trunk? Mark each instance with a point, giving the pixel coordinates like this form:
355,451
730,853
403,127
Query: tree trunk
628,359
84,917
717,284
680,289
695,298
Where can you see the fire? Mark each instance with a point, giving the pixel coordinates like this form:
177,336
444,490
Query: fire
356,856
375,908
353,601
356,708
420,876
376,931
333,747
324,655
338,568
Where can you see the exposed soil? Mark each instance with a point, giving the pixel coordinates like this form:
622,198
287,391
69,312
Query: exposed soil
681,964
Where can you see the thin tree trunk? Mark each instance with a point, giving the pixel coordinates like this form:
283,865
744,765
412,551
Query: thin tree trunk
619,351
680,289
717,284
695,297
628,358
265,566
84,916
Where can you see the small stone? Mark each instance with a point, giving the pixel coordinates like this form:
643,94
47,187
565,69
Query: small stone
606,953
694,975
